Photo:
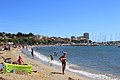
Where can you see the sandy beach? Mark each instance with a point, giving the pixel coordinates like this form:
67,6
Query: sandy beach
44,72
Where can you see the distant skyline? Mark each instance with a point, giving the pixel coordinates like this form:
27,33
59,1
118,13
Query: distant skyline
62,18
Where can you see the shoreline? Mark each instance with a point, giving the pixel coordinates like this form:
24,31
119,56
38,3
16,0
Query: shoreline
92,76
44,72
58,67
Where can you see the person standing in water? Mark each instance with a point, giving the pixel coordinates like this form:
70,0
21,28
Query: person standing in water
63,60
51,58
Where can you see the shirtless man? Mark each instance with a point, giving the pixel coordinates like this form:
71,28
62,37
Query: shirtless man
63,60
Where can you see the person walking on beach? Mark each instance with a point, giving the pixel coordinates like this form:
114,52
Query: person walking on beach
63,60
32,52
9,48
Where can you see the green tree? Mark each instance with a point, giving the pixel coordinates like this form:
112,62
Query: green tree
19,34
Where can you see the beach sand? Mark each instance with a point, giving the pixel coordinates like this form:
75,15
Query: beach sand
44,72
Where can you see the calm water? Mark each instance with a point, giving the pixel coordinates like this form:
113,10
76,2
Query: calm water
95,60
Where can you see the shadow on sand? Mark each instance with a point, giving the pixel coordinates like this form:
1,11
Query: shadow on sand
69,78
56,73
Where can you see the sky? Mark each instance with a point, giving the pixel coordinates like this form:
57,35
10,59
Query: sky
62,18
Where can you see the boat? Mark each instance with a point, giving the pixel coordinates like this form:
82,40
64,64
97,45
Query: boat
118,46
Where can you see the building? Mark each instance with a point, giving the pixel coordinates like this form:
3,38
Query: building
86,35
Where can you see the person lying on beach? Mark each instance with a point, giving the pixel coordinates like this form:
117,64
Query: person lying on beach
63,60
7,60
20,60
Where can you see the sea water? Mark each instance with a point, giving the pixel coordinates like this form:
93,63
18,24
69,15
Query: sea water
97,62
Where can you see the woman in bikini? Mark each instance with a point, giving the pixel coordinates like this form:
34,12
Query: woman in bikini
63,60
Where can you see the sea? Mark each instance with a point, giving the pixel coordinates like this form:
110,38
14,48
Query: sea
94,62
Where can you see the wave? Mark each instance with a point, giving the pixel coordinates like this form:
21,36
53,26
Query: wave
91,75
47,59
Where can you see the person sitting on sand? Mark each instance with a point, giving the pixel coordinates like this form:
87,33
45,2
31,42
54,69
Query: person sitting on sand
20,60
63,60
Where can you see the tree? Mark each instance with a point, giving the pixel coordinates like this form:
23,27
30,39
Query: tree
8,35
1,34
19,34
30,34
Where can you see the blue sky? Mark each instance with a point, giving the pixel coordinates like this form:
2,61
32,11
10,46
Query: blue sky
62,18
